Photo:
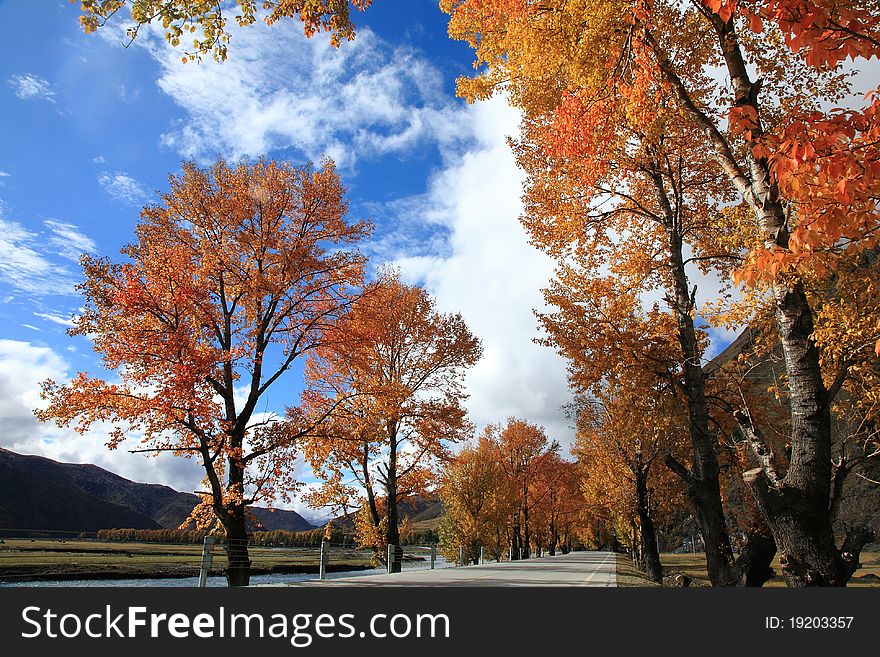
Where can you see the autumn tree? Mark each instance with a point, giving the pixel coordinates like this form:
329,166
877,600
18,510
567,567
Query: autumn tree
509,491
235,274
477,503
619,183
520,445
641,208
558,502
392,378
206,23
795,166
623,435
810,178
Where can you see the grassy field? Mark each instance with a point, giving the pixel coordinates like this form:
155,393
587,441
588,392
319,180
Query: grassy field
694,566
26,559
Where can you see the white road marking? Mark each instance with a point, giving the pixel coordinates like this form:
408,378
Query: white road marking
598,570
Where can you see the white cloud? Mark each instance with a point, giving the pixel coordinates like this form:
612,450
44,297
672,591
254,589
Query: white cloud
123,187
69,241
31,87
55,319
279,90
26,265
22,367
493,276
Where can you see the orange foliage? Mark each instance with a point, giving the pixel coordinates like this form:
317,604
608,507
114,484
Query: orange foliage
388,388
234,262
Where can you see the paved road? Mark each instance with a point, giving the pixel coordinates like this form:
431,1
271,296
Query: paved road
575,569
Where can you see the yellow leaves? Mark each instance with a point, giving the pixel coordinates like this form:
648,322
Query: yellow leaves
332,16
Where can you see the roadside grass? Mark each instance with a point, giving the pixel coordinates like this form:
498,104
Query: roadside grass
628,575
694,567
26,559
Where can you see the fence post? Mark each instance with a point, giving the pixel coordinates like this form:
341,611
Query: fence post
482,555
322,566
207,558
433,555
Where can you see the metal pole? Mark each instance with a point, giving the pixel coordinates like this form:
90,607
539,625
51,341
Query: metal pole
433,555
322,566
482,555
207,558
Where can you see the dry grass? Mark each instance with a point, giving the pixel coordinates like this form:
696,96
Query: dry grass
25,559
694,567
628,575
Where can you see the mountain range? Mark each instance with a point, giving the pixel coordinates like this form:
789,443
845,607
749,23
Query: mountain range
37,493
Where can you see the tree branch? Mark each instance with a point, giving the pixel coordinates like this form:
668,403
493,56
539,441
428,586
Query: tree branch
762,451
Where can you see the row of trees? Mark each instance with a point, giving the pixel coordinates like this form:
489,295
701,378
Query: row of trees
643,168
274,538
509,493
238,274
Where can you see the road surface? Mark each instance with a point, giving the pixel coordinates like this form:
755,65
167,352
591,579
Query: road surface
574,569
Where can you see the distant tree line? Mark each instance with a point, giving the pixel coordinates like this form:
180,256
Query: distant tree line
275,538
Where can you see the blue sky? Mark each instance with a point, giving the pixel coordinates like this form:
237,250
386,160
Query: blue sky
92,130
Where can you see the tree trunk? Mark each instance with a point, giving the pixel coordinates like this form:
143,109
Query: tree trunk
376,519
802,533
234,520
650,550
527,542
702,480
514,538
634,543
238,570
753,563
392,532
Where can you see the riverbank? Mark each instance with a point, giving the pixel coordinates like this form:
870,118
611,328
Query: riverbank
23,560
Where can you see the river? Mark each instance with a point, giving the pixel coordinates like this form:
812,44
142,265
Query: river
191,582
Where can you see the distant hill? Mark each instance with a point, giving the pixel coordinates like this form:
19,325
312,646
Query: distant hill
39,493
416,509
432,511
